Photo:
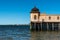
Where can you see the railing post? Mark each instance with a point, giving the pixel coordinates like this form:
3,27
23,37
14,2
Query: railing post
47,27
35,27
38,26
52,26
59,25
41,26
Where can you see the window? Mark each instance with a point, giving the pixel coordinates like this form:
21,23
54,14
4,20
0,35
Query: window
58,17
34,17
42,20
49,17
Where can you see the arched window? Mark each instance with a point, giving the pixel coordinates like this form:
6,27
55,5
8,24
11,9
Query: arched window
58,17
34,17
49,17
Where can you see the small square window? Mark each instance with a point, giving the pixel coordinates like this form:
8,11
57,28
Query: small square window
58,17
49,17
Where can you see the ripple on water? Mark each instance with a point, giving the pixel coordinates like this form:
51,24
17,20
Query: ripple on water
14,33
6,38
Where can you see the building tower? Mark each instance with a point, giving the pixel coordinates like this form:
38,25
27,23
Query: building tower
34,18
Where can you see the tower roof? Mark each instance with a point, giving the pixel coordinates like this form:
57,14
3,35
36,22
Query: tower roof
35,10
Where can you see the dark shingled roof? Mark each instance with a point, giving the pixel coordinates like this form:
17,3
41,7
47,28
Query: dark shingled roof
35,10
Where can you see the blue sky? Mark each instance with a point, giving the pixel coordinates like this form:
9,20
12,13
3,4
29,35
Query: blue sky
18,11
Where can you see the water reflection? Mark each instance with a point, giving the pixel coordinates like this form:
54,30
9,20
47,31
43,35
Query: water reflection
45,35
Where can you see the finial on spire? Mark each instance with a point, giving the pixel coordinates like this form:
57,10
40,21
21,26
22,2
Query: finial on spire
34,6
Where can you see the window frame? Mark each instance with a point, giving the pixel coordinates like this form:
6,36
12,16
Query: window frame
49,18
57,17
35,17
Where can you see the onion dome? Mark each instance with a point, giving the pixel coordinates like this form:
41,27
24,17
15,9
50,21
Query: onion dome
35,10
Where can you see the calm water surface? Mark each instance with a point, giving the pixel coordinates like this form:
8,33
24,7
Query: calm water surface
24,33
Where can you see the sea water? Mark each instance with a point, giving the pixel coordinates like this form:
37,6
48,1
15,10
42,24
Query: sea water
13,32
